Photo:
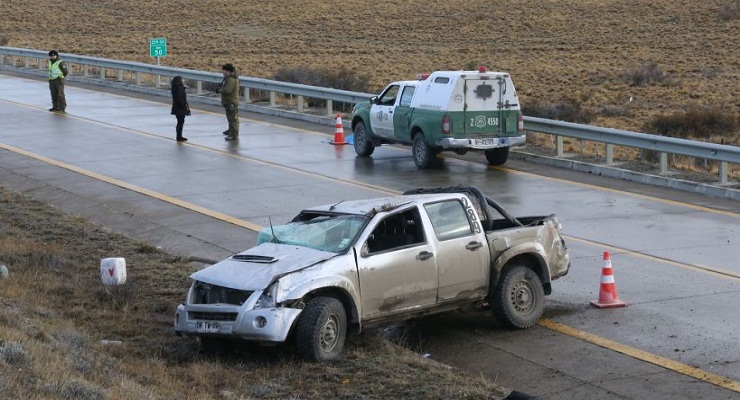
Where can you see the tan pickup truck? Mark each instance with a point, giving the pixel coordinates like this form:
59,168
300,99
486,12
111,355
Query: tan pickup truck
337,268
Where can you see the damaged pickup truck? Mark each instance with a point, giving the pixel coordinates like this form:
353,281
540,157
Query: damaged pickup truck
337,268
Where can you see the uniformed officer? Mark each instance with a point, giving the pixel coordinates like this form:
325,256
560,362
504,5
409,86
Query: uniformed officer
230,100
57,72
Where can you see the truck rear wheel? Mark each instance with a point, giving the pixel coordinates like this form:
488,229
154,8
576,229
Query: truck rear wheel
519,299
321,329
497,156
424,155
363,145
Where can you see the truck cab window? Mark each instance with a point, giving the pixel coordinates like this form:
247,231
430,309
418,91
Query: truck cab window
407,95
449,219
396,231
388,98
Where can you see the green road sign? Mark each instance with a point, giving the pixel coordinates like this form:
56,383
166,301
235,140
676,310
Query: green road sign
157,47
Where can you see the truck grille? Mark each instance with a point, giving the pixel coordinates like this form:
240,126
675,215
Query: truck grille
212,316
204,293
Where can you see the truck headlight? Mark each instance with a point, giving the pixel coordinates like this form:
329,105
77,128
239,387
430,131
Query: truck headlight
267,299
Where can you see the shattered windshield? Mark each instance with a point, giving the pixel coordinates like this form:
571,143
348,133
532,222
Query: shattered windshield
327,232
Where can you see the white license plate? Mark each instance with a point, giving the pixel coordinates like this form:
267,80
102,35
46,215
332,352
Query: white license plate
485,141
206,326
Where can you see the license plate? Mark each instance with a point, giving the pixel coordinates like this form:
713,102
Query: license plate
485,141
206,326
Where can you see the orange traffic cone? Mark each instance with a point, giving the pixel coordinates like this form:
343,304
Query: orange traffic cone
608,290
338,132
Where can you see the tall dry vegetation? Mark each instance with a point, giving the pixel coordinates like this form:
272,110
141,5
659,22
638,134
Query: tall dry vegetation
555,50
54,312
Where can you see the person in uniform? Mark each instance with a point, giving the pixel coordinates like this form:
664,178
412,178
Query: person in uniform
229,89
180,107
57,72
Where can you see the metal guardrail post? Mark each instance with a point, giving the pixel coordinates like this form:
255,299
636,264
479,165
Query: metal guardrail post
609,154
102,73
559,150
138,78
247,96
273,99
723,172
120,75
329,108
299,102
85,71
199,87
663,163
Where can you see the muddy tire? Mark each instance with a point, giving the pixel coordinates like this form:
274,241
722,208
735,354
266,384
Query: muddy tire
321,329
424,155
364,145
519,299
497,156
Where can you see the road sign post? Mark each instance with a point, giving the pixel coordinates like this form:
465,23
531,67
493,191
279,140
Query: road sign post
158,49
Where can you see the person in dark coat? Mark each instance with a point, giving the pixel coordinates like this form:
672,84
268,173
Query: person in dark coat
180,107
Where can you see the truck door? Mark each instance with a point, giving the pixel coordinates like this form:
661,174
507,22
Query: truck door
483,107
381,112
402,114
462,252
396,266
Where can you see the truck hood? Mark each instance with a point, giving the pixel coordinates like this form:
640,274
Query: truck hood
256,268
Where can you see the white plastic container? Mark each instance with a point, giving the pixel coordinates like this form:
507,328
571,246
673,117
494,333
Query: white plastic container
113,271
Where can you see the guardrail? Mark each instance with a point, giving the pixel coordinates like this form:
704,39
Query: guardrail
723,154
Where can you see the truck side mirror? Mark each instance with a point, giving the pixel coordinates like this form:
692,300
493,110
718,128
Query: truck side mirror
374,100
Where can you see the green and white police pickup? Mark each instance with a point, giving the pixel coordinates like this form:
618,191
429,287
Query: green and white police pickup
445,111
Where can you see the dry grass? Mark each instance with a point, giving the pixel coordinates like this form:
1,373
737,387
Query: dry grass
54,311
587,50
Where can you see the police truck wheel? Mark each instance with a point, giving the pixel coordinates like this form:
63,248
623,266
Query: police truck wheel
519,299
321,329
363,145
424,155
497,156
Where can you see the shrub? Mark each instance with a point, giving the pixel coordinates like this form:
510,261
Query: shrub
729,12
646,74
699,123
4,41
567,110
342,78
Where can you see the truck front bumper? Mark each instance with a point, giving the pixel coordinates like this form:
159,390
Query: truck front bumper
260,325
483,143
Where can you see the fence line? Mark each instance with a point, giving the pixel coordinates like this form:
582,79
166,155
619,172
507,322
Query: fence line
26,58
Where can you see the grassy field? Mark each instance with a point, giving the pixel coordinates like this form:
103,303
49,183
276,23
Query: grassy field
54,313
588,51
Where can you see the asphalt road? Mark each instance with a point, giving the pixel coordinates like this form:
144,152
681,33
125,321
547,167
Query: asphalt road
675,255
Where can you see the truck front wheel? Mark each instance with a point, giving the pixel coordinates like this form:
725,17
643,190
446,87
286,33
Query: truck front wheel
497,156
363,144
424,155
321,329
519,299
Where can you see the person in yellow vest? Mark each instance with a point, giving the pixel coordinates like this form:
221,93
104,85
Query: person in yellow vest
229,89
57,72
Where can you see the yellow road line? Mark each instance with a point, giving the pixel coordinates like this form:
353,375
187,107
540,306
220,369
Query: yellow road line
701,268
172,200
654,359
